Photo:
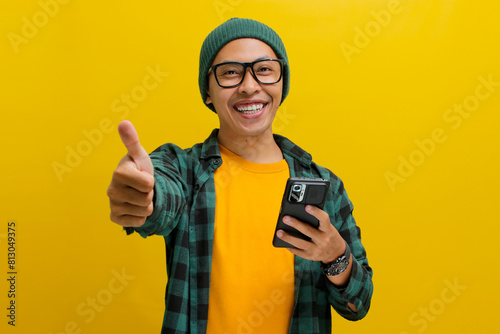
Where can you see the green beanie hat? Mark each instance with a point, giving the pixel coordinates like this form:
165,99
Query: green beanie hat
230,30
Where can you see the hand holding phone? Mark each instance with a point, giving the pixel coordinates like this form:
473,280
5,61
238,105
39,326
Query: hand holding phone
300,192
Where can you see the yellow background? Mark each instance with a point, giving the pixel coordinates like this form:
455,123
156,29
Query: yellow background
358,113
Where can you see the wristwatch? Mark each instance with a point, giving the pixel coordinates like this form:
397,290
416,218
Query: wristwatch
339,265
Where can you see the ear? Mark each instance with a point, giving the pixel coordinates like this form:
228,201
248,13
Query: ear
208,99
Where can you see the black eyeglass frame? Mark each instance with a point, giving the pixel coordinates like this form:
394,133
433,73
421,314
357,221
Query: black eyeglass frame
245,66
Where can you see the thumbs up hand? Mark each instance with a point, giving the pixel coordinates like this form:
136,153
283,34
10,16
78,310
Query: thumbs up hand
132,186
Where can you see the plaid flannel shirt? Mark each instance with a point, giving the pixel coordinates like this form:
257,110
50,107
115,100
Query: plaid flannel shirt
184,215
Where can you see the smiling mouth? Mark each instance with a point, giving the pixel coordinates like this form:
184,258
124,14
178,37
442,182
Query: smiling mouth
250,109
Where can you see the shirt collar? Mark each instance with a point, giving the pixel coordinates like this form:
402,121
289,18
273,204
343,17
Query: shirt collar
289,148
210,148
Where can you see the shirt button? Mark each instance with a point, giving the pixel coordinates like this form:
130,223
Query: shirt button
216,161
196,186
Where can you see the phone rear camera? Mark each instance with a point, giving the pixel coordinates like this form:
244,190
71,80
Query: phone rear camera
297,193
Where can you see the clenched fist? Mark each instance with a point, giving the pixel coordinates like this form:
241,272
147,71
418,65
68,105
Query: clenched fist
132,186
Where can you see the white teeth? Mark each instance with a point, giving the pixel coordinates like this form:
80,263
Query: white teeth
250,109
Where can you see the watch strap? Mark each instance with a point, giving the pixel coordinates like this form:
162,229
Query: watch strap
339,265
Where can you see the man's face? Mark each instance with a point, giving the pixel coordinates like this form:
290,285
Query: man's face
233,104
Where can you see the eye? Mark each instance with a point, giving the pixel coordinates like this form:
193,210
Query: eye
229,70
266,67
264,71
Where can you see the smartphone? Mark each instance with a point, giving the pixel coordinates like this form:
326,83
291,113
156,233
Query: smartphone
299,192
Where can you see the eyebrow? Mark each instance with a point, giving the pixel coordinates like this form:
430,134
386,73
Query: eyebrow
232,60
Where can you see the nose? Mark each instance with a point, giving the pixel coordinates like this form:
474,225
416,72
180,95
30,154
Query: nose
249,85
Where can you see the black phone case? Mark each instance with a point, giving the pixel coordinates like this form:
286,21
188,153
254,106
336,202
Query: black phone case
297,210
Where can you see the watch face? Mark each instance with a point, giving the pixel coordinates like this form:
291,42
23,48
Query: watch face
340,267
337,267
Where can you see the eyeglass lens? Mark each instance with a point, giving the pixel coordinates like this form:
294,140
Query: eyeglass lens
266,71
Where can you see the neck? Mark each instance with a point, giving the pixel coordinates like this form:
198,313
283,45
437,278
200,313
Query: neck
258,149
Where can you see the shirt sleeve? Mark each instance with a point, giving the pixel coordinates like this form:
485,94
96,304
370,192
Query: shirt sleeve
170,192
359,288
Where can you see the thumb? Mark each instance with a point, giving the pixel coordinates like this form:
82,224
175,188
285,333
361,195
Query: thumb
130,139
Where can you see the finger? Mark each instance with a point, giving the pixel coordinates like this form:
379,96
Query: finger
303,248
131,196
126,175
296,251
130,139
321,215
294,241
300,226
302,253
126,209
129,221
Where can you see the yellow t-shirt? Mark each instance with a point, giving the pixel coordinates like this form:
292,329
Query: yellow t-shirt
251,284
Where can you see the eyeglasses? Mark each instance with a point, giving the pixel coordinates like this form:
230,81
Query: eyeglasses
231,74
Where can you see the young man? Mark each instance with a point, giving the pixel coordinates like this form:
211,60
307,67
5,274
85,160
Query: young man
216,205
